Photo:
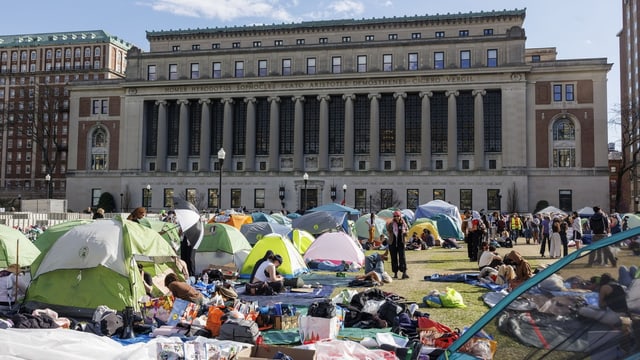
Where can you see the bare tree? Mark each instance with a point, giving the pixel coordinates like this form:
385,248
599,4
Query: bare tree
629,123
512,199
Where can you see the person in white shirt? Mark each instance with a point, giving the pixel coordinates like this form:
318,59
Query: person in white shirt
13,286
489,257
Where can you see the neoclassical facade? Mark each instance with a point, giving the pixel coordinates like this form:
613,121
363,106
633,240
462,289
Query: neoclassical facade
375,112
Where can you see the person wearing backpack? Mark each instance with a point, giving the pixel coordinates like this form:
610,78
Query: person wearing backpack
599,225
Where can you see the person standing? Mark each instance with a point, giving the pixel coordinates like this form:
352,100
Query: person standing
515,225
555,241
397,231
545,225
576,225
599,225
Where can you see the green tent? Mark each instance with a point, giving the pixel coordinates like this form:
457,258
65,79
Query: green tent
292,263
301,240
222,244
53,232
362,226
15,248
95,264
168,230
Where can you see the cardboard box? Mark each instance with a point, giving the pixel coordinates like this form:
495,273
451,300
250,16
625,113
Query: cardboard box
269,351
285,322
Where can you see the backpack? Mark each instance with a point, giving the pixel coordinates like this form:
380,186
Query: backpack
597,225
240,330
322,309
215,275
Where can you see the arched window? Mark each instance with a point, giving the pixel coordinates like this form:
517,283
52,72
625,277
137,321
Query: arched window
96,51
564,143
99,149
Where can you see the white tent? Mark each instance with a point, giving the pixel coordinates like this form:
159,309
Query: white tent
551,210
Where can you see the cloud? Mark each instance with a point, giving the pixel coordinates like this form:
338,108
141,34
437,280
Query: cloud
347,7
225,10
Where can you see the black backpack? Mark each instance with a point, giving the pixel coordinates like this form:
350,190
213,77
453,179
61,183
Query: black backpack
323,309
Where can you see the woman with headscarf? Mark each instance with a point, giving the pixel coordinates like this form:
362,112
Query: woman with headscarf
521,267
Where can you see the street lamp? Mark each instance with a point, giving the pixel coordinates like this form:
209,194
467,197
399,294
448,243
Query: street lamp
370,203
637,199
281,195
305,177
332,193
147,198
121,202
47,179
499,202
19,202
221,155
344,194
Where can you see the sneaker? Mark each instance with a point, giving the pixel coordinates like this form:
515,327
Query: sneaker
405,276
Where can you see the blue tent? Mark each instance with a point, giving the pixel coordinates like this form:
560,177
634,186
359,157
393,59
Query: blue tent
262,217
322,221
539,329
335,207
436,207
447,227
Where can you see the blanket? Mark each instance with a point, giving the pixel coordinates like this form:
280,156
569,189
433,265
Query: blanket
292,298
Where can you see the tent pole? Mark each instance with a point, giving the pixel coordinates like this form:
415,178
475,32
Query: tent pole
18,264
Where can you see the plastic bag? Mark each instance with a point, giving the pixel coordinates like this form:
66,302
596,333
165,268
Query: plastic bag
452,299
340,349
372,306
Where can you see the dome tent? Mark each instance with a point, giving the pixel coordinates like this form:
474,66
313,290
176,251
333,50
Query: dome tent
292,263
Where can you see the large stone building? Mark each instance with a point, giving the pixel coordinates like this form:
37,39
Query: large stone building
375,112
35,70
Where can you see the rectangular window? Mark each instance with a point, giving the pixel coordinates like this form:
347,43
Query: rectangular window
393,36
535,58
167,198
212,198
565,199
100,106
438,60
413,61
465,59
195,71
386,198
257,44
258,195
146,197
215,46
369,38
175,48
466,199
568,92
191,195
493,199
286,67
311,66
95,196
413,199
439,194
195,47
173,71
557,92
217,70
362,63
463,33
278,42
299,41
235,45
492,58
336,65
416,36
387,62
239,69
439,34
236,198
323,40
262,67
346,39
361,200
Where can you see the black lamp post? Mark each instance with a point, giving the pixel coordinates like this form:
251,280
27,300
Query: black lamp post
344,194
19,202
305,177
499,202
122,202
370,203
637,199
221,155
281,195
147,198
47,179
332,193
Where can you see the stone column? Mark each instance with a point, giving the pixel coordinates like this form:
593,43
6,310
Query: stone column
205,136
274,133
250,151
400,130
478,129
425,130
348,131
298,134
323,148
452,131
374,131
227,130
163,137
183,136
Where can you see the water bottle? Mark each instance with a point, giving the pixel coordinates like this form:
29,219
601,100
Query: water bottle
205,278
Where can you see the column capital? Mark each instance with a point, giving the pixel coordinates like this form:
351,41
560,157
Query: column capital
273,99
251,100
324,97
428,94
349,97
402,95
161,102
226,101
204,101
299,98
182,102
450,93
480,92
374,96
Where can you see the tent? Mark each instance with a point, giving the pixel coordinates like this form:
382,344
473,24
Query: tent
322,221
235,220
585,212
430,225
301,240
95,264
222,245
168,230
436,207
386,213
362,226
255,231
281,219
53,232
335,207
335,247
262,217
633,220
292,263
551,210
15,248
447,227
409,215
548,326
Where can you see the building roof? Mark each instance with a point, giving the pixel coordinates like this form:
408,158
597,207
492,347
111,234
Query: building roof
61,38
345,22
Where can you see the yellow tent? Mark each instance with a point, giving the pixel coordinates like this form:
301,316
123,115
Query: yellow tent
429,225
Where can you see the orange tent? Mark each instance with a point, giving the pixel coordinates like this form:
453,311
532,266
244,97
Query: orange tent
235,220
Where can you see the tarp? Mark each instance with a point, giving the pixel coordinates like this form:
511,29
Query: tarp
256,230
337,247
16,248
222,245
292,263
320,222
335,207
436,207
301,240
362,226
94,264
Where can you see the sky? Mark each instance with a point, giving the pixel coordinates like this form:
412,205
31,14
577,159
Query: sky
577,28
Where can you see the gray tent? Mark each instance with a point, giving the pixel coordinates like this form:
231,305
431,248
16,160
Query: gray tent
255,231
322,221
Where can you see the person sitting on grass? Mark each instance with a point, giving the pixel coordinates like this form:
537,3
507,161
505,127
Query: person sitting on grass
182,290
415,243
521,267
489,257
374,268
